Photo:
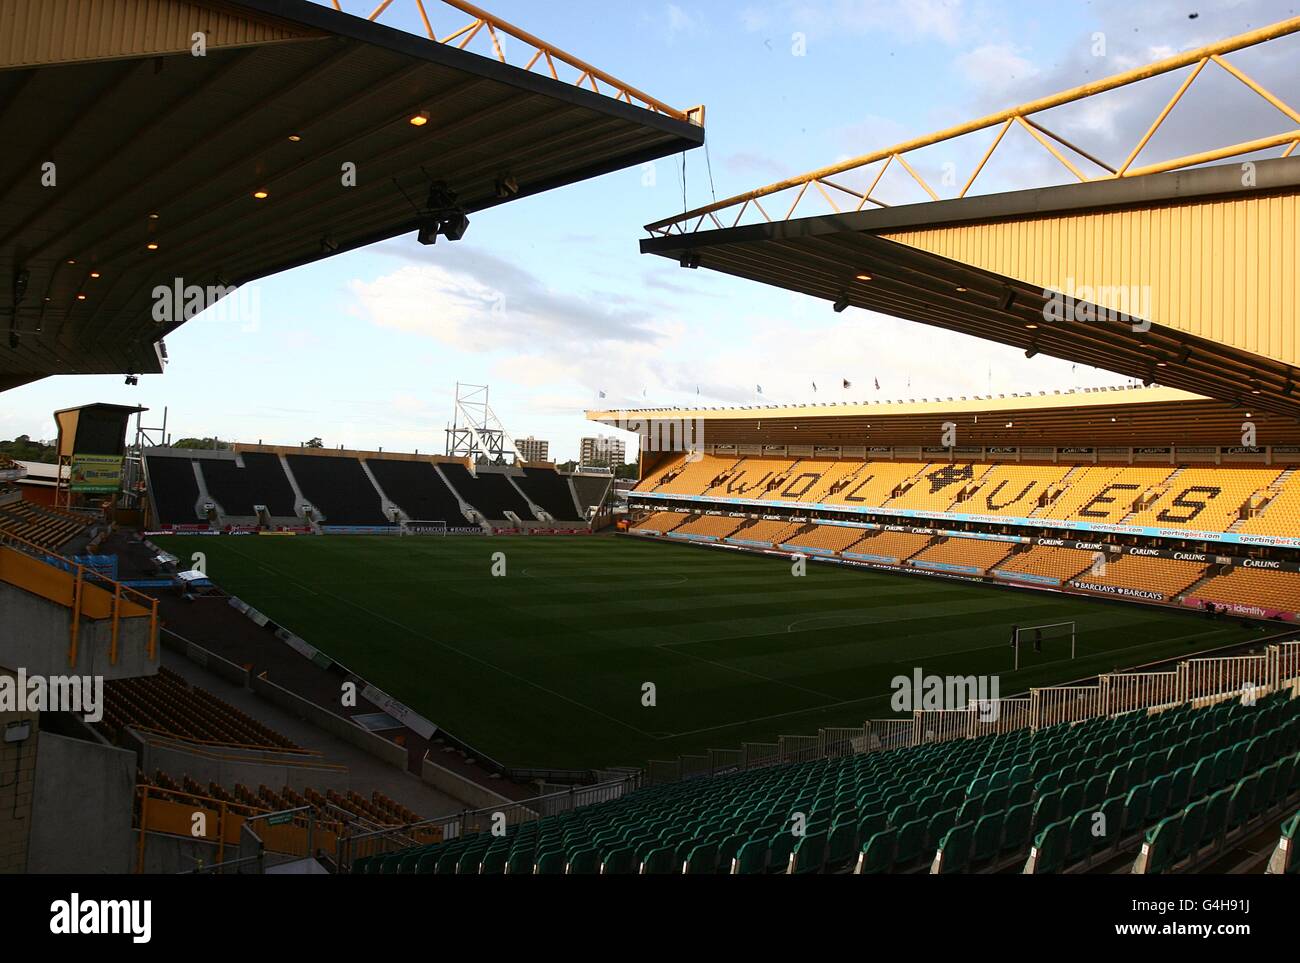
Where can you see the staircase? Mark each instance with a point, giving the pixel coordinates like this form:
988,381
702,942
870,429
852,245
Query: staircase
1269,495
1210,573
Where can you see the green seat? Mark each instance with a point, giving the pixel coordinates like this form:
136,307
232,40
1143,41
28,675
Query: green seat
1047,809
494,861
808,855
1192,831
1158,798
1016,827
702,859
1216,815
840,845
1242,804
585,862
750,858
870,824
779,848
939,825
551,863
520,863
660,862
1049,850
878,852
1202,777
911,838
954,852
1080,840
619,862
987,840
1159,846
1135,807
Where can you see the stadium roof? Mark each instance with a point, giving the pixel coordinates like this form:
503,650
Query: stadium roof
1098,418
824,257
153,145
1179,273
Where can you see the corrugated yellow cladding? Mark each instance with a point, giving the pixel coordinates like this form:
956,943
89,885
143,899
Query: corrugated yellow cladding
37,32
1227,270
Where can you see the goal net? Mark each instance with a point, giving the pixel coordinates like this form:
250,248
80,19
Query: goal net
1048,642
416,526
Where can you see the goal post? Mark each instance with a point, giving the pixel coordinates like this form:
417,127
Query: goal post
1036,635
420,526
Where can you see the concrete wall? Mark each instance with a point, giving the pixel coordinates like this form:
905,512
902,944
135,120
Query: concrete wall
458,787
16,794
35,634
253,768
345,729
81,817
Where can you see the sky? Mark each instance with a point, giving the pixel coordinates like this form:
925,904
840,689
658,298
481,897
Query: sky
548,301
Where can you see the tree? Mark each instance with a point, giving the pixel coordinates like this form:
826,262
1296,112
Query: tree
23,448
203,444
314,443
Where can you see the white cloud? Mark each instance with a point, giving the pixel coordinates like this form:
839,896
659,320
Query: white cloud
996,68
681,22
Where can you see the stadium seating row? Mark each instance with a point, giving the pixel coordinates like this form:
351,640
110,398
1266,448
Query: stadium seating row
378,809
41,525
165,704
341,493
1025,796
1158,578
1199,498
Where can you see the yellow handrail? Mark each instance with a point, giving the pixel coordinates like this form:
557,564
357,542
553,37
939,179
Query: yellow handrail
119,591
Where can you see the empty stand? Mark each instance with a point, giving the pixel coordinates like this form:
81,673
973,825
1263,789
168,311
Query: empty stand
1254,587
1281,515
1105,494
549,489
1023,797
1209,499
418,490
964,553
709,526
829,538
339,489
1166,576
938,488
489,492
661,522
41,525
1013,490
893,547
165,704
268,482
765,532
1049,562
174,489
591,490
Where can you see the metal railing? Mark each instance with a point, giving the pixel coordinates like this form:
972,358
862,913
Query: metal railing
1201,681
352,846
495,35
836,193
83,575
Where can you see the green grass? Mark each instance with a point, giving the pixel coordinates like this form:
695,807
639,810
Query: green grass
544,667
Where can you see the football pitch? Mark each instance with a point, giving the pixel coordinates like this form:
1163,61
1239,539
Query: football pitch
546,665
